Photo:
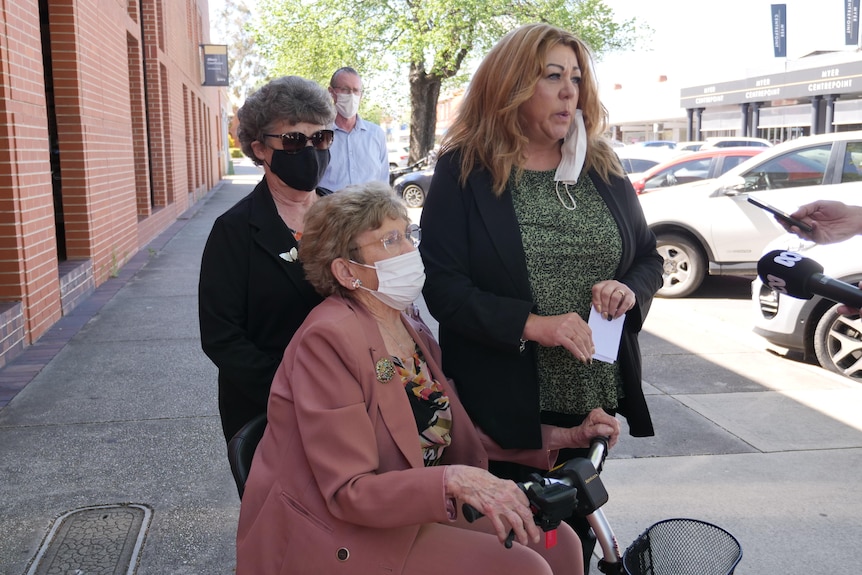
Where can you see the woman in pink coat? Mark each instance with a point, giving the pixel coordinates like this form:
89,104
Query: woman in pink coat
368,454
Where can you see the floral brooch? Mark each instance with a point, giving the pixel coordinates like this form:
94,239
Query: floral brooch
385,370
289,256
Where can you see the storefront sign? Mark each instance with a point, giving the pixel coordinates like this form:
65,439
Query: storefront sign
836,79
215,69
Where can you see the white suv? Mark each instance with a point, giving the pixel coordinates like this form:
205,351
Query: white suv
813,328
709,226
734,142
398,155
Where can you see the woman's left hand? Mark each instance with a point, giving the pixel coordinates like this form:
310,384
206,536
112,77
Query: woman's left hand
612,298
597,424
500,500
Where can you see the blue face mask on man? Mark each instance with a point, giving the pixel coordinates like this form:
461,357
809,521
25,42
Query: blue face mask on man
301,171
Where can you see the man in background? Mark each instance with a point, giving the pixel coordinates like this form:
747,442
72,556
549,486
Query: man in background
358,152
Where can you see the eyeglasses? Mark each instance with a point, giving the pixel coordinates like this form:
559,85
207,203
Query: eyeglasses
346,90
294,142
392,240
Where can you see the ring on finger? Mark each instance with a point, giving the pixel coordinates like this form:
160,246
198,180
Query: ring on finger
621,292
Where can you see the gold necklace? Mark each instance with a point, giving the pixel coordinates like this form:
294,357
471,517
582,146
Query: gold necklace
407,353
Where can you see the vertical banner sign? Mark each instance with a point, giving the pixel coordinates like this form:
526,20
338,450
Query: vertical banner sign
851,22
214,65
779,30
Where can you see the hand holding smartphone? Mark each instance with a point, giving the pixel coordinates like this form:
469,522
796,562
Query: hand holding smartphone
780,215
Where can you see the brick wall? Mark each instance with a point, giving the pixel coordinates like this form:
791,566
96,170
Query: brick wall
127,101
28,257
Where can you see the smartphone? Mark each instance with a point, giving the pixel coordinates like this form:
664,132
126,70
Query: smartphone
780,215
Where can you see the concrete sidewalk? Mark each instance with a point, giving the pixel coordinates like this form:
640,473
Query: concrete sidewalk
115,418
125,412
765,447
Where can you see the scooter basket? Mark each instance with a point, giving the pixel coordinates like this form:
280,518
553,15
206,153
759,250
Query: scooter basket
683,547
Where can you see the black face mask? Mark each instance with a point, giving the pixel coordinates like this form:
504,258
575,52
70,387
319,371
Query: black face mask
302,170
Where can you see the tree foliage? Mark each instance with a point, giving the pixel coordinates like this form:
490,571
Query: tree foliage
247,69
425,42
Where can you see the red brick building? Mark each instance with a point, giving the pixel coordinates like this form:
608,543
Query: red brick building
106,136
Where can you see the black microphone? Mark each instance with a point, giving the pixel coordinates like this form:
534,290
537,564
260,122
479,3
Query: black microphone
800,277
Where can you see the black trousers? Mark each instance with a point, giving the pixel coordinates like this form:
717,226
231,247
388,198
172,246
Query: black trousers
520,473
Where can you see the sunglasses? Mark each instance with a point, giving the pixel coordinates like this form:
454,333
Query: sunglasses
294,142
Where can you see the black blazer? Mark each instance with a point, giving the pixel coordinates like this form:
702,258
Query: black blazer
251,302
478,289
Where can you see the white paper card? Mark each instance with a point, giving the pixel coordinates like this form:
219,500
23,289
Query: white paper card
606,336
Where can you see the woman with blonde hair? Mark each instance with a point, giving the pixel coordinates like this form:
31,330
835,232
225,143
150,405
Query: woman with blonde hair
498,141
529,223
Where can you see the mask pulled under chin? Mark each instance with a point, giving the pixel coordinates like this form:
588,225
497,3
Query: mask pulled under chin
400,279
574,151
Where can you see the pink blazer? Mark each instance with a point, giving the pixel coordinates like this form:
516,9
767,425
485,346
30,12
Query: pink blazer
337,484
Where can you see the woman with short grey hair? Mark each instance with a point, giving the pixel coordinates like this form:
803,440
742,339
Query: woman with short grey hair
289,98
252,293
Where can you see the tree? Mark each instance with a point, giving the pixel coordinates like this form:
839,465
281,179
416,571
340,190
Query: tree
247,68
428,41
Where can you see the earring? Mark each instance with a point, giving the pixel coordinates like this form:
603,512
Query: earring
356,283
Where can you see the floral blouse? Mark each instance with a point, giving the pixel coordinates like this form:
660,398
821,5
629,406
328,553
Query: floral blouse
430,406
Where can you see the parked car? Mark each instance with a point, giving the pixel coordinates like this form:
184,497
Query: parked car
398,155
418,166
813,329
639,159
413,187
688,146
669,144
692,167
709,227
733,141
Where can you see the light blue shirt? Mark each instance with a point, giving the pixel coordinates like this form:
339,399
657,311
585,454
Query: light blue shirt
357,156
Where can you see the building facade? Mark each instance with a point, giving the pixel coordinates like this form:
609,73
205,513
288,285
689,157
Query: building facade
107,135
813,95
816,94
644,106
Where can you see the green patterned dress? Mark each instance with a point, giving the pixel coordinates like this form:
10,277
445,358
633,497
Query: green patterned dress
567,252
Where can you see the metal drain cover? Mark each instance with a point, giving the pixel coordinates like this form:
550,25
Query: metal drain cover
97,540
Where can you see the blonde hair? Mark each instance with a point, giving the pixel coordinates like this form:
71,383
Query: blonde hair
486,130
332,224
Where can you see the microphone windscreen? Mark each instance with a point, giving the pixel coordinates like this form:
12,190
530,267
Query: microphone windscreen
788,272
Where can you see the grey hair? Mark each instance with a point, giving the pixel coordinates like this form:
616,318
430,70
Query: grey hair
343,70
288,98
332,224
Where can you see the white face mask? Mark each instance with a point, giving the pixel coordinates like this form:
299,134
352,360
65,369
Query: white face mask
347,104
400,279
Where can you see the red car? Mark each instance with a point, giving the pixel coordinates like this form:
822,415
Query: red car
692,167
